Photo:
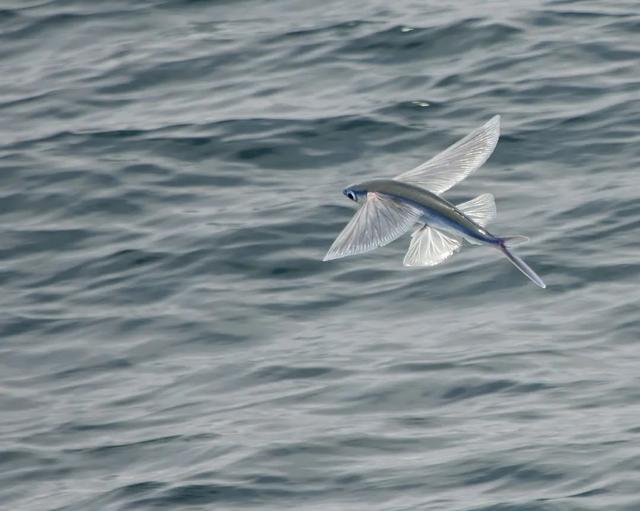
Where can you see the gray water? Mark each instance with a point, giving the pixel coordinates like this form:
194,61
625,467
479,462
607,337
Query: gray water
170,179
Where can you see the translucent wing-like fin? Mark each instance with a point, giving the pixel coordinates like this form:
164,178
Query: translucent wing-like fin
430,247
457,161
378,222
481,210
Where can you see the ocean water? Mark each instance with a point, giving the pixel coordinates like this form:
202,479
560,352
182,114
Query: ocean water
170,179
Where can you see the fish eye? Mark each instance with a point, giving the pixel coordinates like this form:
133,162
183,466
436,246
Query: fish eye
352,196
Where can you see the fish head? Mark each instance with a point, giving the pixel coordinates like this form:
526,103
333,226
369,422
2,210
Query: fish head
356,193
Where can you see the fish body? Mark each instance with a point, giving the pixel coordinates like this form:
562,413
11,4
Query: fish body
436,211
412,200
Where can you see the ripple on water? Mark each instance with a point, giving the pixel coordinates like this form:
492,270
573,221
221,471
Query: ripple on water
170,181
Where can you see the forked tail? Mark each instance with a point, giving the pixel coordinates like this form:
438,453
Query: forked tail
519,263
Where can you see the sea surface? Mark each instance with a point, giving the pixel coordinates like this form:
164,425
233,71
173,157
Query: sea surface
170,180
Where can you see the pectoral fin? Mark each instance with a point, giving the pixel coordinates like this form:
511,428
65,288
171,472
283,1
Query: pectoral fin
457,161
378,222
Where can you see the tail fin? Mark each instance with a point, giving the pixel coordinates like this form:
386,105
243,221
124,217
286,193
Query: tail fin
514,241
519,263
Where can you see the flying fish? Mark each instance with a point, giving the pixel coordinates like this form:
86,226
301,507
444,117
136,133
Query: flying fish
413,200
